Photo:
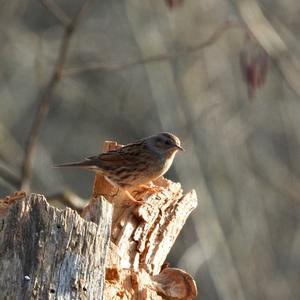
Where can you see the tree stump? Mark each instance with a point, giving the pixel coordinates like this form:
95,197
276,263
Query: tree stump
48,253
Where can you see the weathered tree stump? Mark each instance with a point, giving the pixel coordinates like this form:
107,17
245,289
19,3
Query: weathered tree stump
48,253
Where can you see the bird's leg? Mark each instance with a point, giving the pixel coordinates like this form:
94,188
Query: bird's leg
132,199
150,188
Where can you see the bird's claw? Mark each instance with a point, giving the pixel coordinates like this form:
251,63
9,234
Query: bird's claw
132,200
152,189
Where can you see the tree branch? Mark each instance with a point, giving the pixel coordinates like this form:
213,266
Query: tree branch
69,199
57,12
9,177
45,98
270,41
160,57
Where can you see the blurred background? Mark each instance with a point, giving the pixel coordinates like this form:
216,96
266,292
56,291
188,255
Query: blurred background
222,75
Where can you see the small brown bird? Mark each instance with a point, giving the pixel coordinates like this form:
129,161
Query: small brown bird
134,165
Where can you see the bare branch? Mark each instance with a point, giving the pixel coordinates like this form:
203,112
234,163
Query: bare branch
271,41
57,12
160,57
69,199
9,177
44,101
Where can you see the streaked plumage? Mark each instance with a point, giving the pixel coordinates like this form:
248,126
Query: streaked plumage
134,164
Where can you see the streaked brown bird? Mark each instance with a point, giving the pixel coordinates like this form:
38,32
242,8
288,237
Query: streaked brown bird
134,165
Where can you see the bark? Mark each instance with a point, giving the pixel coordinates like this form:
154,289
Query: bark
47,253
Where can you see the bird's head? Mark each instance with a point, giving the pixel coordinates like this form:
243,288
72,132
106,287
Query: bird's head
164,143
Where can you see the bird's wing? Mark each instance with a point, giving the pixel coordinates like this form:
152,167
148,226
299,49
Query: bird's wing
126,155
112,158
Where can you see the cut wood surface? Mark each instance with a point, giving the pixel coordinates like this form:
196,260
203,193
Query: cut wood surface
48,253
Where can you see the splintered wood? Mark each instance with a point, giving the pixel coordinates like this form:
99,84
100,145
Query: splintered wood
141,238
9,200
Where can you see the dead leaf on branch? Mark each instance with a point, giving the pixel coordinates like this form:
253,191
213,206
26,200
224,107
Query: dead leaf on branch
254,61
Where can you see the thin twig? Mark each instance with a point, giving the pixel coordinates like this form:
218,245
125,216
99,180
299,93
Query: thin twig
160,57
9,177
57,12
270,41
45,98
69,199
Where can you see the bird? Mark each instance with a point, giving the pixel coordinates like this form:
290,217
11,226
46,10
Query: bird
136,164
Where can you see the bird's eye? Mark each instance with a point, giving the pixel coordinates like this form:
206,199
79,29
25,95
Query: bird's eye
167,142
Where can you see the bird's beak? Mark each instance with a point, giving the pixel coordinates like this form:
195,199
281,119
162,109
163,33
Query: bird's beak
179,148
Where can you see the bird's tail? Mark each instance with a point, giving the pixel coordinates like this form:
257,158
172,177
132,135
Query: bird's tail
86,164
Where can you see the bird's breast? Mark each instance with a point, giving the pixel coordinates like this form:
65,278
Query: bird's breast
167,163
